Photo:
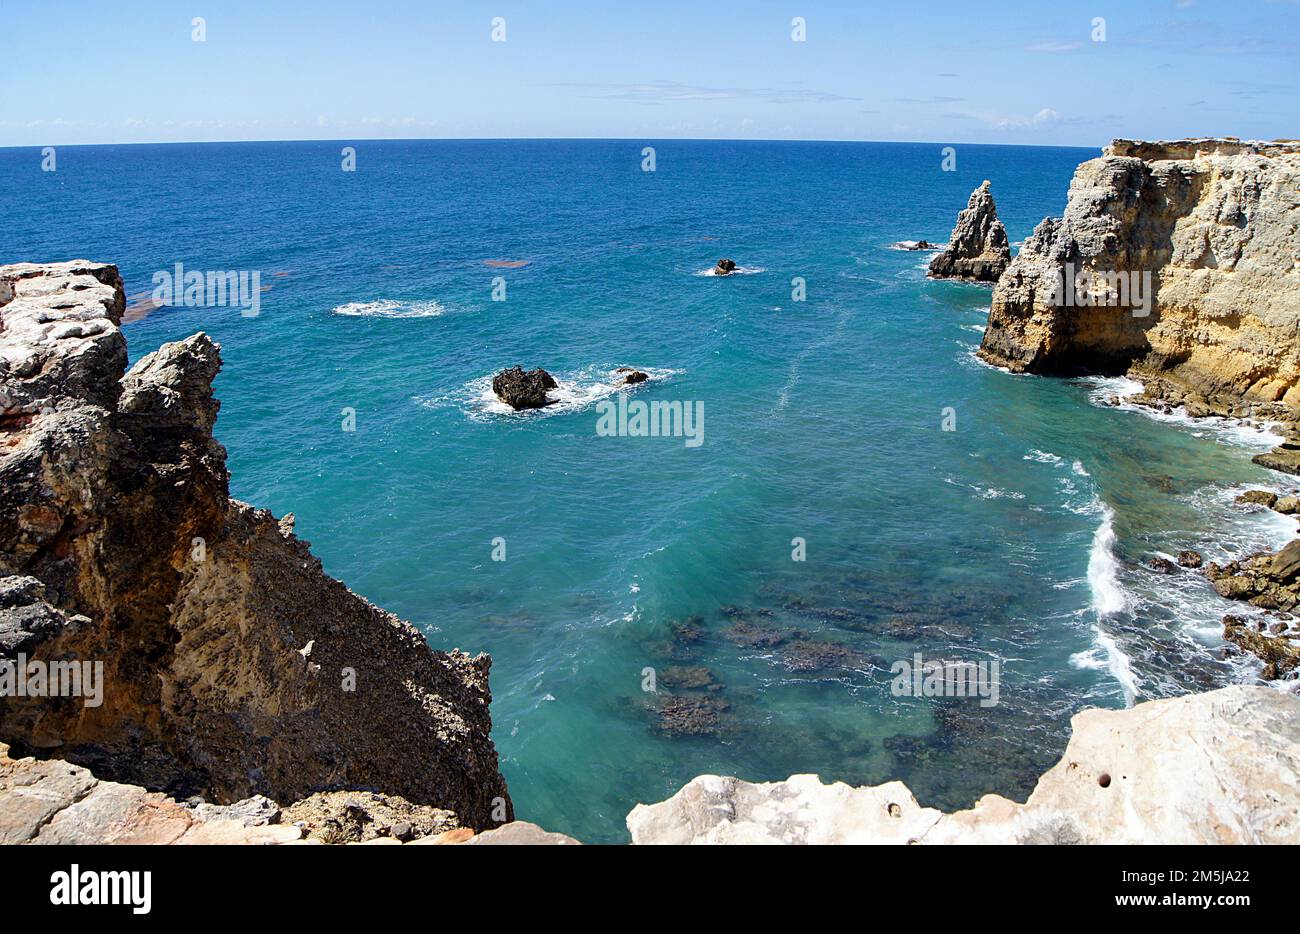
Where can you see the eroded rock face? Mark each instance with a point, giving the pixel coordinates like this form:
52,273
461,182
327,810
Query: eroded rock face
1221,767
1213,223
523,390
233,665
978,249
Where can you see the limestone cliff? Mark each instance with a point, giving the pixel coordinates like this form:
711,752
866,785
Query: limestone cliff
1222,767
1214,226
978,249
232,664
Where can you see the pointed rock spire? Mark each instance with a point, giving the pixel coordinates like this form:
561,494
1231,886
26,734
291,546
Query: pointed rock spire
978,248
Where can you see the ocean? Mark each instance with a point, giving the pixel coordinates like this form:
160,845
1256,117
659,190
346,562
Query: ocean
640,596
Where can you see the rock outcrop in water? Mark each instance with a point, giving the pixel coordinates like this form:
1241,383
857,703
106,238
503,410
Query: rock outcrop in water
1279,652
524,390
232,664
978,249
1270,580
1222,767
1212,224
725,267
630,376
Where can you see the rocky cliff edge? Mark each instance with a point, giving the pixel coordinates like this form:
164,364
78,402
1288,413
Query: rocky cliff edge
232,664
1214,224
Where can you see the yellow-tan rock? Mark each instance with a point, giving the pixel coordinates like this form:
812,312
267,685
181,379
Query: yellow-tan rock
1213,222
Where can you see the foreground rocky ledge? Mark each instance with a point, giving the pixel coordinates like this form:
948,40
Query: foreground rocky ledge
1221,767
232,664
1216,768
54,802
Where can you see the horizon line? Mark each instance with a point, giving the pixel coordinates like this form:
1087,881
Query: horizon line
522,139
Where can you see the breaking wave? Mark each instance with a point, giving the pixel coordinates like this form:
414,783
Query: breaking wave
391,308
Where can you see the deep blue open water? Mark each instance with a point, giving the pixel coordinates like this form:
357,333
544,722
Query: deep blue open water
1018,537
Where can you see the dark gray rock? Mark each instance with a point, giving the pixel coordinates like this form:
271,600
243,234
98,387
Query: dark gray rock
524,390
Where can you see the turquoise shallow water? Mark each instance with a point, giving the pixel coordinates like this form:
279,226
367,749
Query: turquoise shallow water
1018,537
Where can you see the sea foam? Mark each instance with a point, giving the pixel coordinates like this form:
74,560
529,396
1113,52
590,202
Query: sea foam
1116,391
575,391
738,271
391,308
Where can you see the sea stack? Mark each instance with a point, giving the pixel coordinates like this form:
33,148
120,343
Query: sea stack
523,390
977,250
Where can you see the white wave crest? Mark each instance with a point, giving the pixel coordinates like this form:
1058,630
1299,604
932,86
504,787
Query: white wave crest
391,308
738,271
1108,596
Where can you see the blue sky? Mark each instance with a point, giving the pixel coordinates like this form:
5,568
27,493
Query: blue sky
1020,71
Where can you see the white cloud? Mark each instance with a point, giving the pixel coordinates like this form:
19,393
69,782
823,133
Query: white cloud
1045,117
1052,47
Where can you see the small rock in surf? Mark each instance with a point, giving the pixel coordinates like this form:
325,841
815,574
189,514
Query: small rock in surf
523,390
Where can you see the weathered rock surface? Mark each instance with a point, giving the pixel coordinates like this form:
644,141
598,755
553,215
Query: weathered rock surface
55,802
50,801
359,816
1214,222
1285,457
978,249
524,390
1263,498
1287,505
520,833
725,267
1264,579
233,665
1221,767
1280,655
